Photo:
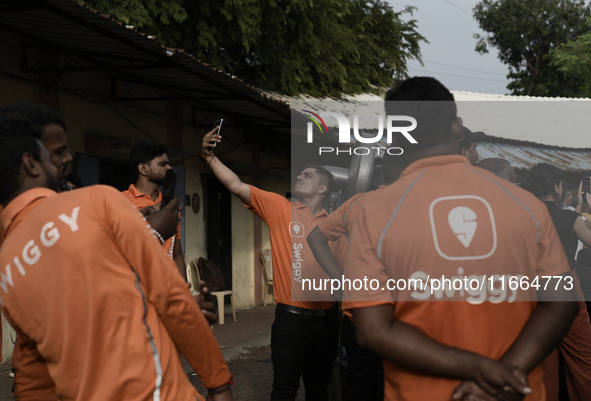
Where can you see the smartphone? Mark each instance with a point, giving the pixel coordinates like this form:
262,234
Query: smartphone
169,187
218,123
586,184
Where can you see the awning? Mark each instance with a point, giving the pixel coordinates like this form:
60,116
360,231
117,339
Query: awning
91,41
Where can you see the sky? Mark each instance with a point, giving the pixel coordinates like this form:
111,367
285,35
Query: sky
450,56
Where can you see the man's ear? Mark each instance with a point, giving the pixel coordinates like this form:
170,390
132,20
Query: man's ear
143,169
323,188
457,134
31,166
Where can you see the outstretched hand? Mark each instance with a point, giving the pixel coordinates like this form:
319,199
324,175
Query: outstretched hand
210,141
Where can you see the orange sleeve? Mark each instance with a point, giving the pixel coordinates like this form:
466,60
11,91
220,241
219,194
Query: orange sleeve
128,195
32,381
333,227
552,259
365,265
163,286
339,251
267,205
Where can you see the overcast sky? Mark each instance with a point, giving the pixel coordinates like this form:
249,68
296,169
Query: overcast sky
448,26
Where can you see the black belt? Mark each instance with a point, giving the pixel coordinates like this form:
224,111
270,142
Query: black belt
306,312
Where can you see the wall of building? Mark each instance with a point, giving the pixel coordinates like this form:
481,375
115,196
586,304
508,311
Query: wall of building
114,126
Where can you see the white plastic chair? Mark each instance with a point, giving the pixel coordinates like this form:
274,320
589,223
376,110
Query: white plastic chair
267,269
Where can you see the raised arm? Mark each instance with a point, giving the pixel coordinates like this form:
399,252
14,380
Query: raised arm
226,176
582,232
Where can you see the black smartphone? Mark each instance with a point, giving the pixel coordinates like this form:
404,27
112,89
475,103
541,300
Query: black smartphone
586,188
218,123
169,187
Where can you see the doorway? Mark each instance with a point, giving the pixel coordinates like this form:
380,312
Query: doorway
218,203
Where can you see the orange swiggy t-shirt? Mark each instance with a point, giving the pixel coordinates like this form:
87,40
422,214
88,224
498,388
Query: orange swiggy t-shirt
99,310
340,222
293,261
445,217
141,200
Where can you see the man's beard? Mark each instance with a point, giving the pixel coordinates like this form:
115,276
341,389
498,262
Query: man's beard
159,181
51,181
64,172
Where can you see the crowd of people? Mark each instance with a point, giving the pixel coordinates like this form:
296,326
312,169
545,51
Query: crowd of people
95,283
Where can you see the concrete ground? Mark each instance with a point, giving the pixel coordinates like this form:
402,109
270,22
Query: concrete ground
246,347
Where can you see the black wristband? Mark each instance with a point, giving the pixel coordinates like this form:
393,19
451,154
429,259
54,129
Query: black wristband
219,389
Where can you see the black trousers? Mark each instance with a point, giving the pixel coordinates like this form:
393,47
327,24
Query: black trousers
303,346
364,380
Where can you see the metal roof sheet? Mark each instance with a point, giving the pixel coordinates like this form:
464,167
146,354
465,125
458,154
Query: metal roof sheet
526,156
88,37
557,122
560,123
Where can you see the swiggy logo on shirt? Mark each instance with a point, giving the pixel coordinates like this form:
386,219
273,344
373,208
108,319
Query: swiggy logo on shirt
296,229
463,227
31,252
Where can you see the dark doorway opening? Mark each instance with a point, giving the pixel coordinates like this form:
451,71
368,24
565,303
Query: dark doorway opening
219,227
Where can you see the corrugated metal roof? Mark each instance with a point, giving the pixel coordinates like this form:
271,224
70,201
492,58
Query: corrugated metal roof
561,123
464,95
89,36
526,156
557,122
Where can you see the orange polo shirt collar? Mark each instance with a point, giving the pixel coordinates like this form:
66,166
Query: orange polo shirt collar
434,162
299,206
138,194
20,202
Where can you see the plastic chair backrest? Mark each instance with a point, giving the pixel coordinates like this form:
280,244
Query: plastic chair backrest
211,274
195,276
267,263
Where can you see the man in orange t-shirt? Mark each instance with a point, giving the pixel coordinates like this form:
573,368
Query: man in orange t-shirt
445,217
52,136
99,310
148,163
364,378
304,337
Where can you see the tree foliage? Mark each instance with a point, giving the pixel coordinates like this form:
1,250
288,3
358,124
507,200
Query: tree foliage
292,46
142,12
526,33
574,59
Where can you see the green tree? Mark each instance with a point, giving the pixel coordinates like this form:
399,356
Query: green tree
526,32
142,12
574,59
321,48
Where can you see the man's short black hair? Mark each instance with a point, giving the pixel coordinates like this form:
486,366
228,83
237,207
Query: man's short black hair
38,114
325,176
430,103
17,137
497,166
143,152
